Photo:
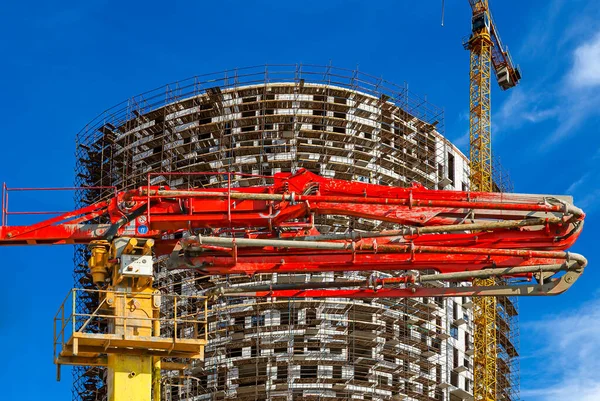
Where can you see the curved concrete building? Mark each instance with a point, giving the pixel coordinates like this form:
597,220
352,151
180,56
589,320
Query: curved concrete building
260,121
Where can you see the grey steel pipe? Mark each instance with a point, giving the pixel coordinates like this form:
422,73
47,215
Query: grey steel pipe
433,229
298,286
393,248
495,272
248,242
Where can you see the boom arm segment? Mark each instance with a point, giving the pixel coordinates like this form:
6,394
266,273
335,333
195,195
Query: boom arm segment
450,235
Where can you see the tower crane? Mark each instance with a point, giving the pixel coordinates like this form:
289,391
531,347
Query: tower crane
487,52
442,236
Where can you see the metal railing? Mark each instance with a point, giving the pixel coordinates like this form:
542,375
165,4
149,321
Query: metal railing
180,317
5,212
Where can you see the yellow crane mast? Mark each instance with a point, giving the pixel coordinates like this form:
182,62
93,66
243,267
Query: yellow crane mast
486,52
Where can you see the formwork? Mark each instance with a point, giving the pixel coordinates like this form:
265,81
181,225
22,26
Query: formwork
259,121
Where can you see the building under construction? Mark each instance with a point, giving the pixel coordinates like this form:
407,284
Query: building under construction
336,123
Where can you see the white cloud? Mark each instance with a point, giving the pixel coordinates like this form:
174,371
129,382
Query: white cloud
513,104
523,107
569,102
571,361
566,39
585,190
579,100
464,116
589,202
576,107
585,72
462,141
585,390
536,41
577,183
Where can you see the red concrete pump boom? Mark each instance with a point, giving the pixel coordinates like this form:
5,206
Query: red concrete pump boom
436,236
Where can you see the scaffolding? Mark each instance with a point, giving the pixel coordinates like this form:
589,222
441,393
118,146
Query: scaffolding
289,349
258,121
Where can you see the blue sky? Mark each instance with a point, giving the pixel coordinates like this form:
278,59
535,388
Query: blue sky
64,62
